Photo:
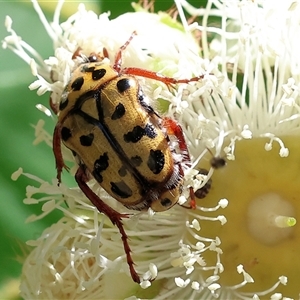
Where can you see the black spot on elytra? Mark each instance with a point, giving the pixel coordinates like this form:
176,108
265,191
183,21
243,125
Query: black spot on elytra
101,164
156,161
121,189
138,132
119,112
124,84
98,74
87,140
136,161
65,133
63,104
135,135
166,202
122,171
77,84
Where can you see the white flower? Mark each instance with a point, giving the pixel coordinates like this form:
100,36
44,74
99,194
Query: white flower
241,240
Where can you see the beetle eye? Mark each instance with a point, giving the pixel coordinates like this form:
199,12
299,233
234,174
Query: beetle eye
93,58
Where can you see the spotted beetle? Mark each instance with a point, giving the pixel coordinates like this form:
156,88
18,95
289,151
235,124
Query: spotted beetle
107,122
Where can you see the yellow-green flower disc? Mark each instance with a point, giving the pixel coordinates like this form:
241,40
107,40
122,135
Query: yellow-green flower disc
261,231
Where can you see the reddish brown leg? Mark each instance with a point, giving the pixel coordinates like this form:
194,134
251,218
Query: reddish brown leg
118,59
145,73
193,204
114,216
157,76
54,107
77,53
59,161
105,53
173,128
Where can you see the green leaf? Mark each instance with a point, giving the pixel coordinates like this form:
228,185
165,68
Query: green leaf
17,113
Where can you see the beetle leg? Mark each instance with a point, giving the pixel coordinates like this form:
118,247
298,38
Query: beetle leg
114,216
173,128
168,81
53,106
193,204
118,59
59,161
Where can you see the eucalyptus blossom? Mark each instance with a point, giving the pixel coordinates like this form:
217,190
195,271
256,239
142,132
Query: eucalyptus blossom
241,240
